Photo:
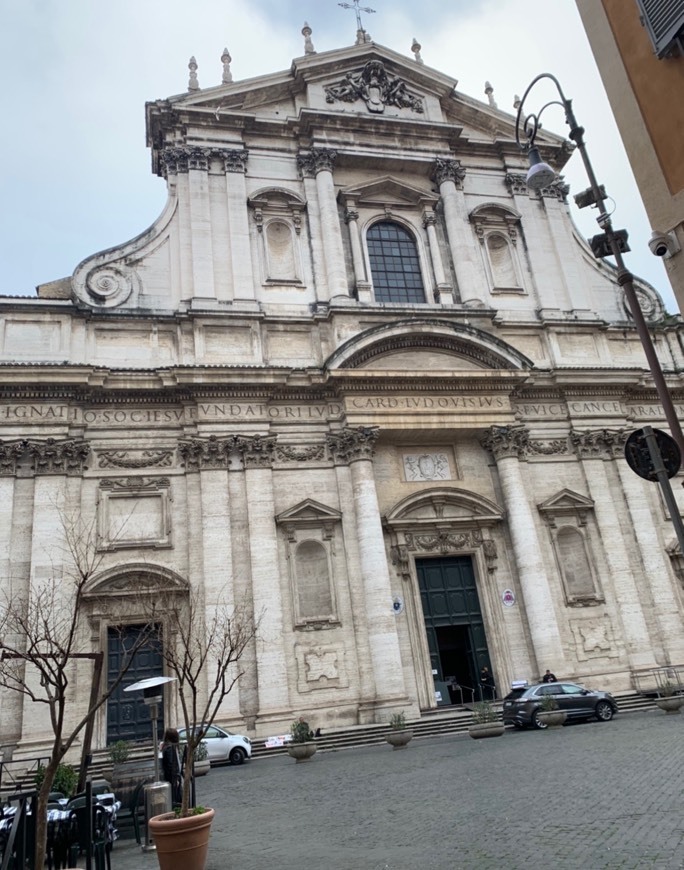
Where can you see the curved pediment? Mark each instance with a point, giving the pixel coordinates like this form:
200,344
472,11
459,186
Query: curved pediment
444,505
134,580
426,345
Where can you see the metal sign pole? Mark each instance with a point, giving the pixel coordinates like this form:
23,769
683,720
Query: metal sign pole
664,481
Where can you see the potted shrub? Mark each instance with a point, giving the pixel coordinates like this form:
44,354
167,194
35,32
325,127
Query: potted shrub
65,781
202,764
207,645
668,699
549,716
399,735
486,721
302,745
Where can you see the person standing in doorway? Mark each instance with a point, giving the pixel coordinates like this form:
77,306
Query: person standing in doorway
549,677
486,684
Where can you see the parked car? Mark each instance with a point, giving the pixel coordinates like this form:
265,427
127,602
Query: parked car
223,745
521,706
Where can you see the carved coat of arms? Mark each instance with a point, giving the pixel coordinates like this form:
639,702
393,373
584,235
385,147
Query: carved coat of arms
376,88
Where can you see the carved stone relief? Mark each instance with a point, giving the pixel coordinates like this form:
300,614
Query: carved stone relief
320,667
594,638
426,466
135,458
376,87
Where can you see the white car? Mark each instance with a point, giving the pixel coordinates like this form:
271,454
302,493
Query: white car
224,746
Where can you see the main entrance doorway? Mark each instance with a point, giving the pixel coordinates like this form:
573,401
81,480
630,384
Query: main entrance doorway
127,716
454,626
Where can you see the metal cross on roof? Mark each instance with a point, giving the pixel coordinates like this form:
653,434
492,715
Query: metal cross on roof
358,9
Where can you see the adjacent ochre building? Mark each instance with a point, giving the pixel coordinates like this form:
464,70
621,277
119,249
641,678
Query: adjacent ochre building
639,50
359,376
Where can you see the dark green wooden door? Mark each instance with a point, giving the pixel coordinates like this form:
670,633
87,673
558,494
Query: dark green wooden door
128,718
454,624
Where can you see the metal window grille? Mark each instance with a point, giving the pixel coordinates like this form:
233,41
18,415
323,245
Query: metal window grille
394,263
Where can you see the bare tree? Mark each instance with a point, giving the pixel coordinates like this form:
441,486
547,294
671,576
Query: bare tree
202,649
43,636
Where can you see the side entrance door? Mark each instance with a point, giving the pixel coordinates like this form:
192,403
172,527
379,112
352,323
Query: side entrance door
127,716
454,625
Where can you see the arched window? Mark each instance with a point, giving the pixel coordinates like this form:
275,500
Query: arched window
394,262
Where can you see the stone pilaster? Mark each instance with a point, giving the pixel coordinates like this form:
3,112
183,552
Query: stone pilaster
235,162
257,456
594,449
449,175
355,447
320,163
444,291
363,287
508,445
640,496
200,217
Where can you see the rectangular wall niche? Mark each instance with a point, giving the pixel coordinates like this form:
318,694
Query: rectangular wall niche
134,512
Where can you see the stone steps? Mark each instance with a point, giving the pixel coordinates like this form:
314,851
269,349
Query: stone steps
435,723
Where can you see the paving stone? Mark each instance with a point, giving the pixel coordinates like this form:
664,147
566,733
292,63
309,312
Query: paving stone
596,795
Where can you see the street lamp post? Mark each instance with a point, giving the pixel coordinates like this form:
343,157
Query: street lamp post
609,242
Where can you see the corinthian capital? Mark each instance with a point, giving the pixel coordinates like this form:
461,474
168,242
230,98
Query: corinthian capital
505,441
316,160
352,444
57,457
233,160
10,453
599,443
448,170
211,452
257,451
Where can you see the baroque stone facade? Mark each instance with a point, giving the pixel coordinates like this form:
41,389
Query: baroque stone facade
359,376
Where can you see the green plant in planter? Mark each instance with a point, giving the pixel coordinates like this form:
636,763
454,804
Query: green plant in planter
398,721
202,752
300,731
548,703
667,689
484,712
119,751
65,779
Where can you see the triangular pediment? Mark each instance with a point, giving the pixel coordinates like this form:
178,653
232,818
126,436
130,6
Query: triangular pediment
307,512
566,502
387,191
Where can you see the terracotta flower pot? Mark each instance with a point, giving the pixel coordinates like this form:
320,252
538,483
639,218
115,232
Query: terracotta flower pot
182,844
486,729
399,739
301,751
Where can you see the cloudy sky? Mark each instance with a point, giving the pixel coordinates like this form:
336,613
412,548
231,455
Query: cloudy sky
76,173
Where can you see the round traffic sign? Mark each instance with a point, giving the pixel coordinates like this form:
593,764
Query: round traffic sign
639,459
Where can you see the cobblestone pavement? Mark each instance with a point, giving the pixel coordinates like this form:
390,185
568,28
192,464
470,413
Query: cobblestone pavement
597,795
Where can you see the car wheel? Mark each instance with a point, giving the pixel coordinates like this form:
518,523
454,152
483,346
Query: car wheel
537,722
237,756
604,711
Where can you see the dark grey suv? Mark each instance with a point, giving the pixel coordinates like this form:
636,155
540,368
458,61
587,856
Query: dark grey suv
521,707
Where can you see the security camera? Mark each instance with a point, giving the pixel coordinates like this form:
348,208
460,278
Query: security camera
663,244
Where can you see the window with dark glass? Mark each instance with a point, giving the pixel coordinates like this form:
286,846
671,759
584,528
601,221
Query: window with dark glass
394,263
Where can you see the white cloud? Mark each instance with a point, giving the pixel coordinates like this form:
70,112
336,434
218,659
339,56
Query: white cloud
77,175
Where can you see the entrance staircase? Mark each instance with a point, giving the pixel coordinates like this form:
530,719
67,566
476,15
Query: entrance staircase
432,723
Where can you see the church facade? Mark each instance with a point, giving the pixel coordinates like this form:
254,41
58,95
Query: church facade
360,377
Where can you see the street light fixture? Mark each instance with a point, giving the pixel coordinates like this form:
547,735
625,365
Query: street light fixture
610,242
